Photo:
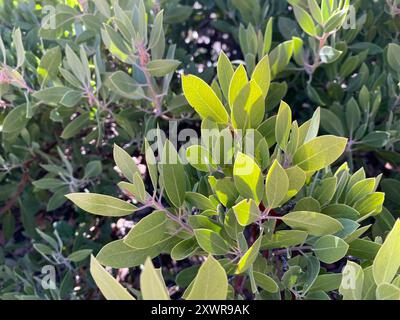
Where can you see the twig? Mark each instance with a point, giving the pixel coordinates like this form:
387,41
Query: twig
20,188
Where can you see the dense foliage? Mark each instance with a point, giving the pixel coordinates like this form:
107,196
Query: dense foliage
254,143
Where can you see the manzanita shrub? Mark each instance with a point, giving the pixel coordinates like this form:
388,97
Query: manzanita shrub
255,205
243,203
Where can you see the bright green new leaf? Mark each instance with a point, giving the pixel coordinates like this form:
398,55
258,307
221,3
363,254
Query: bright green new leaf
276,185
247,260
319,153
371,204
248,177
283,125
246,212
297,179
387,261
262,75
238,81
225,73
203,99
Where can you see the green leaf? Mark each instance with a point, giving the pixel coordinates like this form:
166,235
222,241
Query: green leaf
152,285
267,37
199,201
117,254
52,95
203,99
315,11
312,128
330,249
351,287
49,63
325,191
284,239
393,56
276,185
331,122
103,7
327,282
136,189
353,115
157,30
76,65
341,211
184,249
364,249
305,21
48,183
225,73
248,107
376,139
247,260
231,225
265,282
308,204
359,190
109,287
151,164
19,46
387,291
15,120
225,190
387,261
211,242
148,231
101,205
199,157
161,67
248,177
125,163
238,82
123,84
211,282
262,75
319,153
371,204
75,126
246,212
283,125
79,255
173,175
316,224
297,179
